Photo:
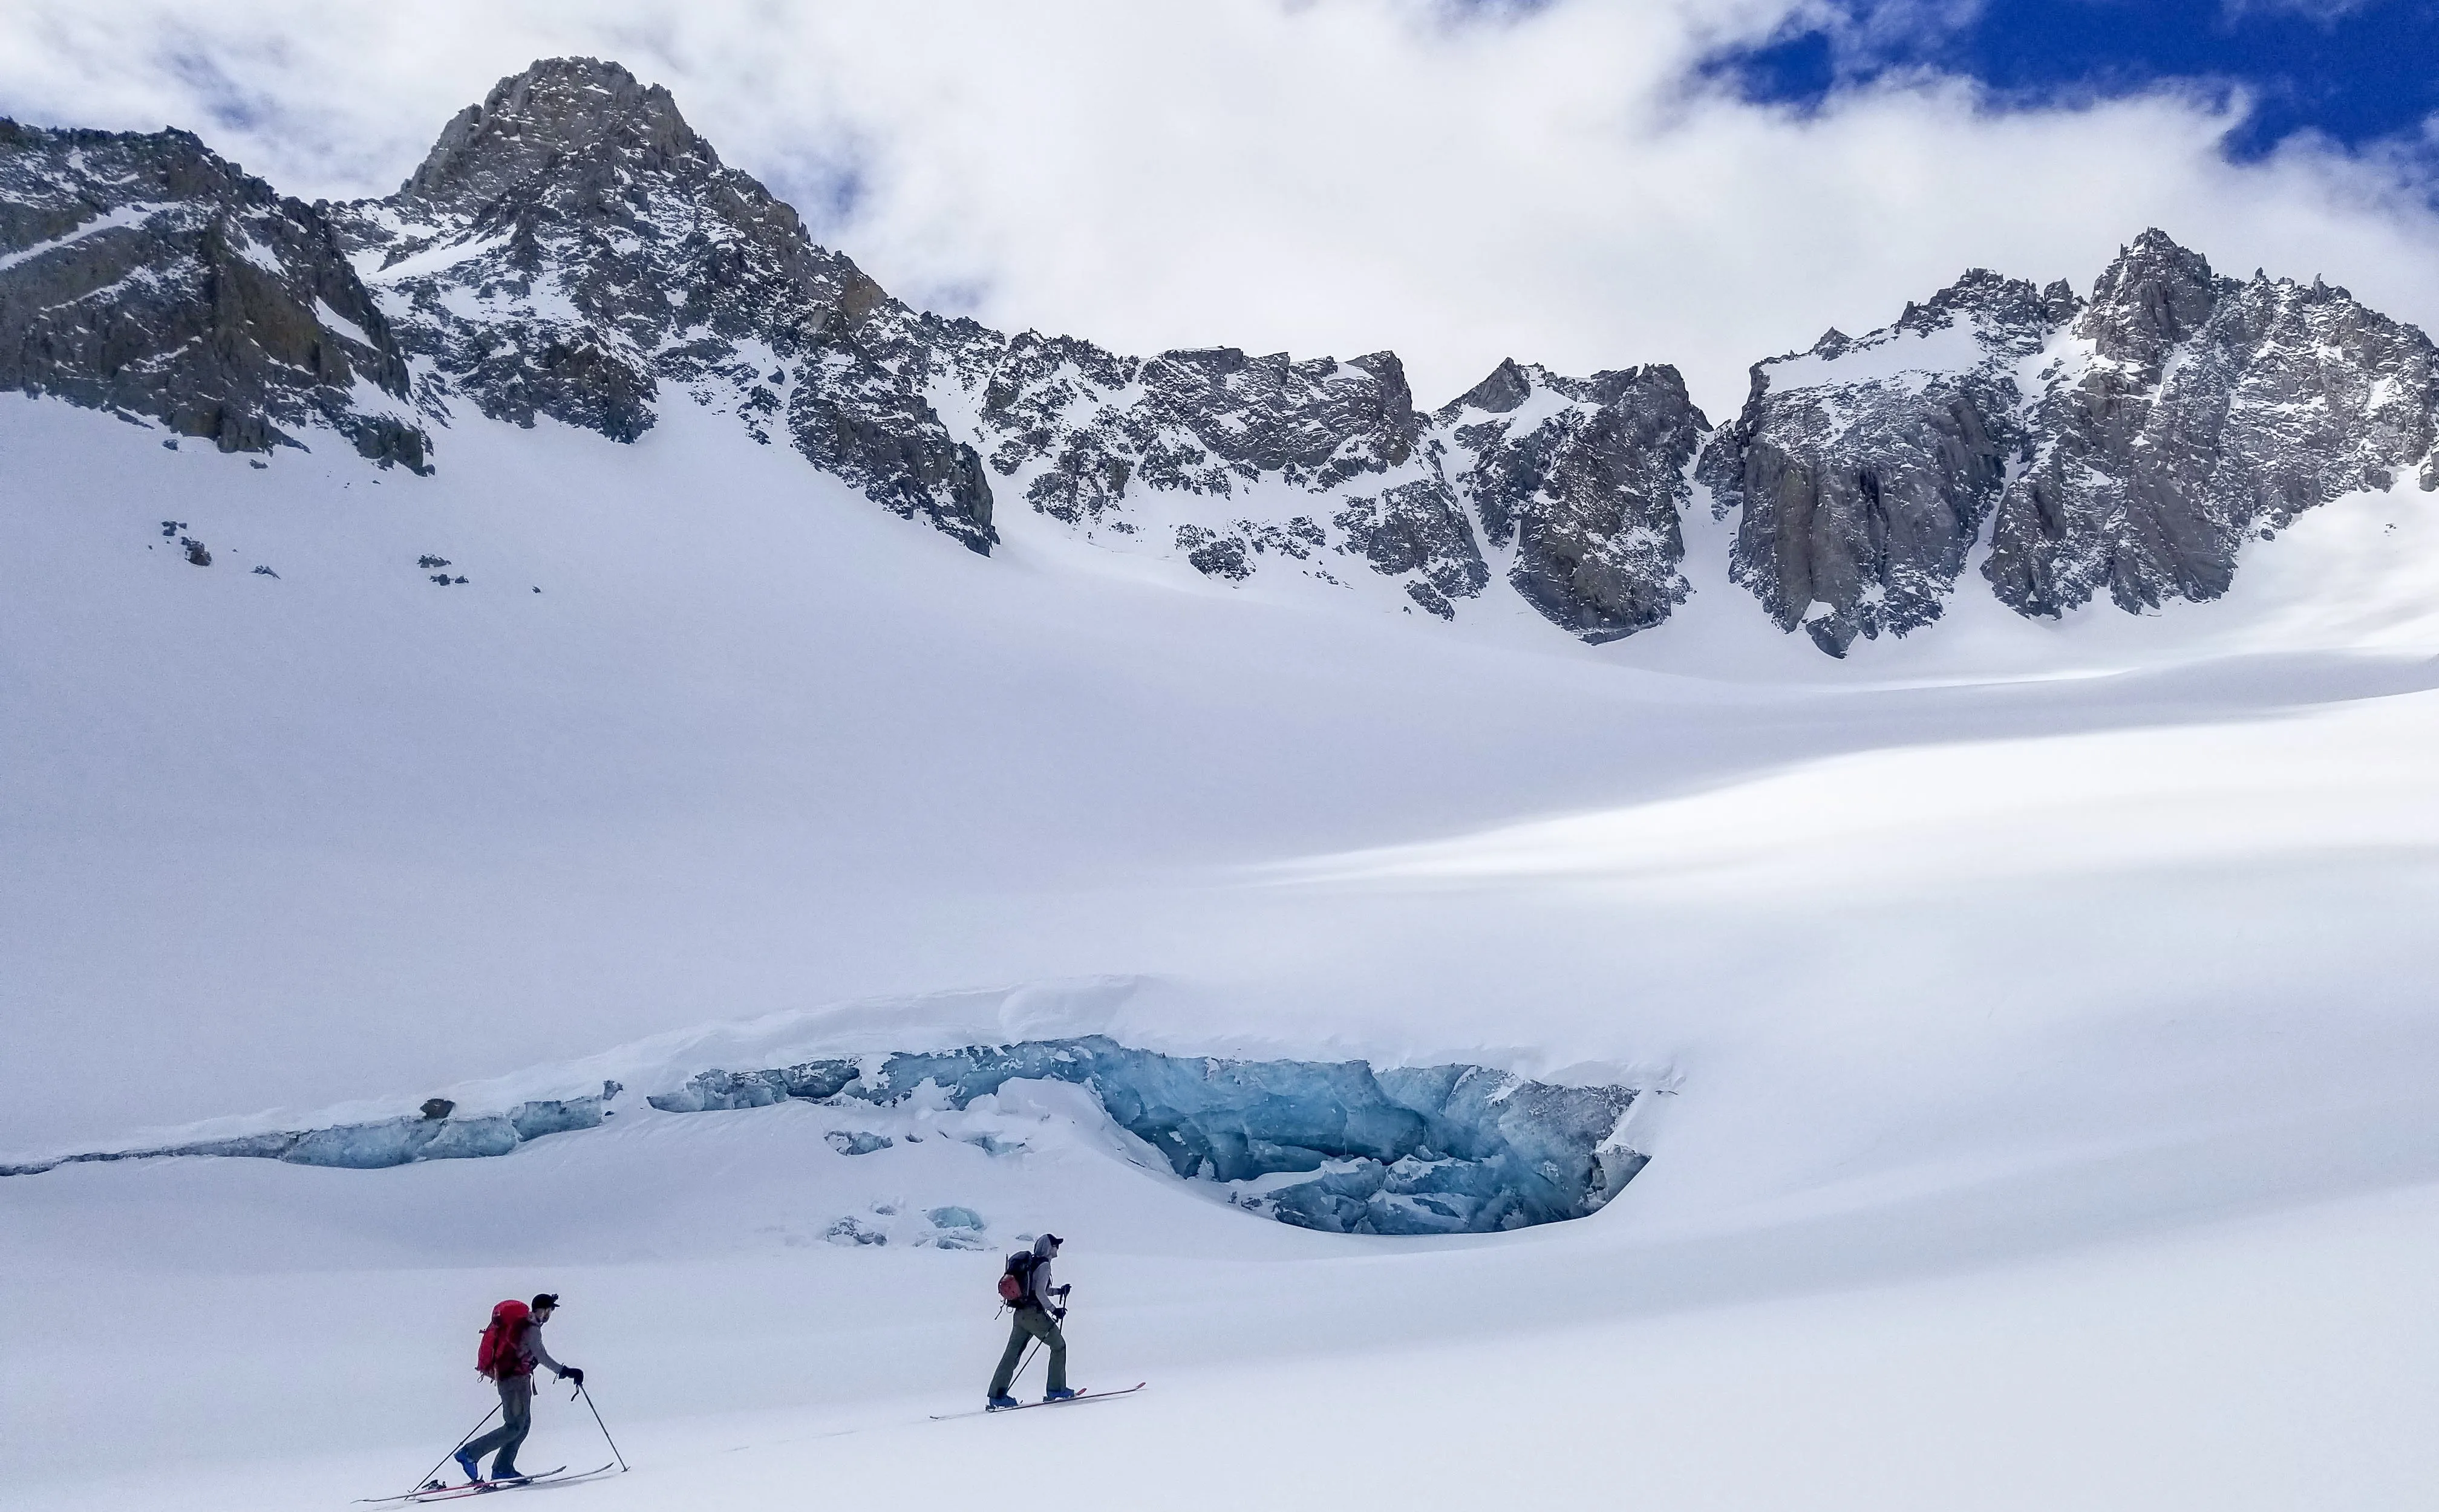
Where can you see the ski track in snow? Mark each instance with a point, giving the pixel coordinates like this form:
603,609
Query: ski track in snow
2038,1014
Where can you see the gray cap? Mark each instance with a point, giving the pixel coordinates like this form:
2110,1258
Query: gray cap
1047,1245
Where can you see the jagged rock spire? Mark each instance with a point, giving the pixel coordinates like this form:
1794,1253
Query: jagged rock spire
2154,295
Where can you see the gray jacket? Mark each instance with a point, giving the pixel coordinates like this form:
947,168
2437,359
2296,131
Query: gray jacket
531,1350
1036,1280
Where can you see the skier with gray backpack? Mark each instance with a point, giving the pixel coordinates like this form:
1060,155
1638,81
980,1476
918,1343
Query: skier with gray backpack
1025,1286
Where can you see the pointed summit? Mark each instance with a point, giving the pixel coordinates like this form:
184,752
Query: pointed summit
1507,386
561,118
572,249
2156,294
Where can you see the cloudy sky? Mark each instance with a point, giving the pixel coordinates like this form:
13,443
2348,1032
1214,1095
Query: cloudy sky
1584,183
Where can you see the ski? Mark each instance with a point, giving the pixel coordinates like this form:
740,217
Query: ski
438,1492
435,1491
479,1488
450,1493
1080,1397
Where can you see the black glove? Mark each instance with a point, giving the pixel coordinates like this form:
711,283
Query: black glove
1058,1312
571,1373
1063,1290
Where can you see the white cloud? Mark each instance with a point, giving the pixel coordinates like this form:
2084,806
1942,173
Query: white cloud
1322,177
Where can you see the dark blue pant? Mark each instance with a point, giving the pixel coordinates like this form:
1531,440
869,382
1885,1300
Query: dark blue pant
516,1421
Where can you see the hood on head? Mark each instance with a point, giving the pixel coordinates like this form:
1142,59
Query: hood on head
1046,1246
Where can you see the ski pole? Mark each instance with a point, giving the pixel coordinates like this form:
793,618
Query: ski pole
427,1475
604,1427
1034,1347
1022,1364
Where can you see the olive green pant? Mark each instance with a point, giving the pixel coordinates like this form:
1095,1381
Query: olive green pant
1031,1323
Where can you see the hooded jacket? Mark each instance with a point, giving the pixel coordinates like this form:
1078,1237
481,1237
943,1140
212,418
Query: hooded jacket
1036,1278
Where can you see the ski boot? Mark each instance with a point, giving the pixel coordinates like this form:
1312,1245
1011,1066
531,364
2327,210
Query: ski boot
472,1468
1000,1403
1062,1394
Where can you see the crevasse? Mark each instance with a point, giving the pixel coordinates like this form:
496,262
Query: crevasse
1405,1149
1401,1149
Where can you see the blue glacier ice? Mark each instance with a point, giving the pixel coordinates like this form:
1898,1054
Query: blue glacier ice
1401,1149
1408,1150
855,1230
384,1142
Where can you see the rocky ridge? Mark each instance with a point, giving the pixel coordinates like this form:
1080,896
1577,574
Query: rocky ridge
572,250
1320,467
1583,480
571,245
2129,443
147,276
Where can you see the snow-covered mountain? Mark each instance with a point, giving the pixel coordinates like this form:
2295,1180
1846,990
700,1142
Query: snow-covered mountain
572,249
147,276
2127,444
876,789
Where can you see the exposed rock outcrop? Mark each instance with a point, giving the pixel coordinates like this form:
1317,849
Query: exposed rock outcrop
2182,411
570,245
1586,479
144,274
2127,444
572,250
1865,468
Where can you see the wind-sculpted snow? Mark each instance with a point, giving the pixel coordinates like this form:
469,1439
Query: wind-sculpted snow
1408,1150
438,1134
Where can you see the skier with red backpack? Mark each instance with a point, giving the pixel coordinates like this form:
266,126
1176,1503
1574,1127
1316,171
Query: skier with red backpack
510,1349
1025,1286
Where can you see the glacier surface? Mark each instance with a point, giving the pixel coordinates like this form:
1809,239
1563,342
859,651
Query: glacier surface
382,1141
1404,1150
1396,1151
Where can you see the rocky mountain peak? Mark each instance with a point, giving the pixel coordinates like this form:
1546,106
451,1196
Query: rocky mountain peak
1583,481
1994,303
563,119
2155,295
571,250
143,274
2059,302
1507,386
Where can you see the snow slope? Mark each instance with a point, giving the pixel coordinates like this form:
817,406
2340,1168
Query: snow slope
2039,1015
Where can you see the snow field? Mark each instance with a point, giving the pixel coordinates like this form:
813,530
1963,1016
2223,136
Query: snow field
2039,1014
2277,1358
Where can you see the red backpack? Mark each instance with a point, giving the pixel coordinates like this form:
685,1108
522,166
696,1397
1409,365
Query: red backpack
497,1356
1017,1277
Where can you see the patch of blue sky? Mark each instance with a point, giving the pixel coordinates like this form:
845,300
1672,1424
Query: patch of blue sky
2358,72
